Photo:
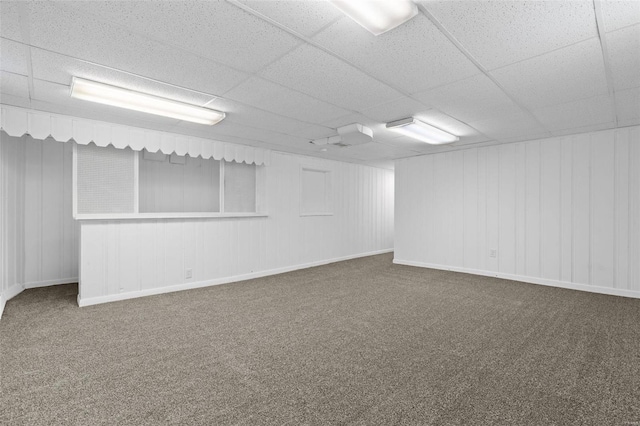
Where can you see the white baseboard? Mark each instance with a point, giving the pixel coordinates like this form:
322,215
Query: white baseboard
526,279
48,283
226,280
10,293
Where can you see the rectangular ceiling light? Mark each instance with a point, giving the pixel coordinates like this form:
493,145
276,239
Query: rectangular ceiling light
424,132
378,16
125,98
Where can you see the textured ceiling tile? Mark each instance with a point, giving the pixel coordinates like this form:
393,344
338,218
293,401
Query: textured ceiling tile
498,33
10,22
304,17
254,117
412,57
14,84
318,74
214,29
618,14
576,114
313,132
281,100
14,57
628,104
471,99
589,128
394,110
568,74
517,125
375,151
624,56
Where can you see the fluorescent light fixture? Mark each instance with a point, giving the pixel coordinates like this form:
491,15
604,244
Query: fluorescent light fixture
378,16
421,131
125,98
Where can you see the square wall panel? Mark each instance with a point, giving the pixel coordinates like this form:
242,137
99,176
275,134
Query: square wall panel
413,57
472,99
624,56
269,96
216,30
323,76
304,17
565,75
498,33
584,112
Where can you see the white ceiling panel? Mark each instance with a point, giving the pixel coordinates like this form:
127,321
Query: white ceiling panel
14,84
14,57
518,125
395,110
18,101
619,13
471,99
451,125
499,33
628,106
314,132
412,57
564,75
581,113
229,128
304,17
312,71
624,56
589,128
10,22
375,151
269,96
213,29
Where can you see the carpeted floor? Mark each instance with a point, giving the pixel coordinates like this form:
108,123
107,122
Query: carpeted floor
357,342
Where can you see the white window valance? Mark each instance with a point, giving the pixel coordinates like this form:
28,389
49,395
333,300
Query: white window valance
40,125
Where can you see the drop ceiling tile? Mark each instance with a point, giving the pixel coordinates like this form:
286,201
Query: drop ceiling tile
14,84
450,124
567,74
313,132
17,101
624,56
585,129
499,33
115,48
472,99
628,105
618,14
413,57
375,151
576,114
228,128
350,118
517,125
10,22
14,57
394,110
269,96
318,74
304,17
213,29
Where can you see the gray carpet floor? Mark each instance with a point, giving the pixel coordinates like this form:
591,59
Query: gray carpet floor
359,342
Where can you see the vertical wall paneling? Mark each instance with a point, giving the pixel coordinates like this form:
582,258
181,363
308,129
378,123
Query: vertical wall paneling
561,211
123,259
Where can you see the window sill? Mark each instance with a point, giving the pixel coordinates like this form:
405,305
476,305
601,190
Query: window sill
145,216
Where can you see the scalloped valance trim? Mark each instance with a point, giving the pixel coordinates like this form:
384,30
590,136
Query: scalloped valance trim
41,125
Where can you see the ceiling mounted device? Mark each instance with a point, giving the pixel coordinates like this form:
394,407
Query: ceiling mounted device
377,16
421,131
349,135
124,98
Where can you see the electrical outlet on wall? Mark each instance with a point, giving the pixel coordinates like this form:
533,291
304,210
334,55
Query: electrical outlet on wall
188,273
493,253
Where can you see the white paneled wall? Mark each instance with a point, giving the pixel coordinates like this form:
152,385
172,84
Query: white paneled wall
124,259
562,211
39,236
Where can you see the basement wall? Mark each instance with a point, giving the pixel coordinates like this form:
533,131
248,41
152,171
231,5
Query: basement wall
122,259
38,234
563,211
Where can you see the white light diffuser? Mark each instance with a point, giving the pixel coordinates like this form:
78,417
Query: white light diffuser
378,16
424,132
124,98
